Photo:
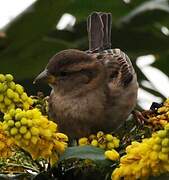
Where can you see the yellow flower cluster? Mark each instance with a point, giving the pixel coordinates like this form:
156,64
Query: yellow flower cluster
147,158
162,116
6,144
34,133
112,154
104,141
48,148
12,95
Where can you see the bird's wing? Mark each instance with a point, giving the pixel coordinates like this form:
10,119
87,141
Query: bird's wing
118,65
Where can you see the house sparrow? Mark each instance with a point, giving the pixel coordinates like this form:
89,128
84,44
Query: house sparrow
93,90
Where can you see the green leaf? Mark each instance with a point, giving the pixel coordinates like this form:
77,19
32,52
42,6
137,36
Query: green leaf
147,12
162,61
86,152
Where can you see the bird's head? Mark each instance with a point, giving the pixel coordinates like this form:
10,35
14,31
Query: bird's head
73,71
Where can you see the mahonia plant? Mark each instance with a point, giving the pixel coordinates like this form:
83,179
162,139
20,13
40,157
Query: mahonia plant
26,125
149,157
34,133
103,141
12,95
6,144
161,117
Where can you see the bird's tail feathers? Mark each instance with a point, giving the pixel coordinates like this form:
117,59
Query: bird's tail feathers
99,31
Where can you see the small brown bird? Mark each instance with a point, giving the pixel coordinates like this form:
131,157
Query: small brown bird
93,90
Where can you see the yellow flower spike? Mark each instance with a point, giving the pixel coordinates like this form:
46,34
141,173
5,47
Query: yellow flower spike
145,172
100,134
53,126
110,145
92,137
146,158
34,133
12,96
156,147
60,146
153,155
101,140
46,153
163,156
62,136
35,152
128,148
47,134
53,158
102,146
127,171
157,140
165,142
2,145
94,143
44,125
166,127
6,144
136,168
162,109
125,160
83,141
162,133
112,155
135,143
116,143
109,137
134,151
165,150
117,174
166,102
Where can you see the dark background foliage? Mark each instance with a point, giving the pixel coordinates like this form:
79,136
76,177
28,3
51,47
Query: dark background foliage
32,38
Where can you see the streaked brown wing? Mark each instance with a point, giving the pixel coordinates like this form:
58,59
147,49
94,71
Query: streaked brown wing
118,65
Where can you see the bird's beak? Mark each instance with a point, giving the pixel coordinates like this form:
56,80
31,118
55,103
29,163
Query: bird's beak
43,76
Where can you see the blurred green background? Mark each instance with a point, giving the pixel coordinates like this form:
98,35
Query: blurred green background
139,28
